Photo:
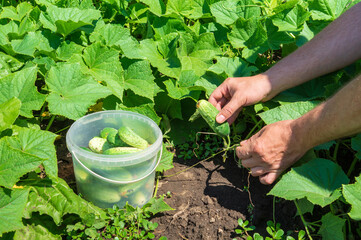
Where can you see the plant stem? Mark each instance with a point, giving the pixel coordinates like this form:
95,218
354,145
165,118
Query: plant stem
62,129
50,122
303,220
274,210
156,187
334,158
352,166
253,129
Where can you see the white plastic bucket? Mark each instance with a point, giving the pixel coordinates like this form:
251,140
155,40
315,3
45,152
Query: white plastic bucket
106,180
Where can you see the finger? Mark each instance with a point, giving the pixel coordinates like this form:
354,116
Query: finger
234,116
248,163
228,110
268,178
244,151
257,171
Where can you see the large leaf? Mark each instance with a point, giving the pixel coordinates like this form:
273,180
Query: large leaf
31,42
16,13
228,11
146,110
162,54
287,111
356,145
37,143
66,20
331,227
56,198
351,192
9,112
291,19
241,31
12,206
21,84
233,67
104,66
14,163
327,9
114,35
138,77
35,232
179,93
155,6
67,49
166,161
318,180
71,92
8,64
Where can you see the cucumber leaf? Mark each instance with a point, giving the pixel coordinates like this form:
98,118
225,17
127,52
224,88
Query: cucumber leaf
9,112
12,206
351,192
318,180
331,227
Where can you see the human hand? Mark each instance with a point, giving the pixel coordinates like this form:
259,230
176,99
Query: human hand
234,93
272,150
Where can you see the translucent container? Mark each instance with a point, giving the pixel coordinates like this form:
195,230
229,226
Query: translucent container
106,180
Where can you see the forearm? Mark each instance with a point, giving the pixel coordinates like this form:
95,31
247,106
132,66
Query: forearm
336,118
335,47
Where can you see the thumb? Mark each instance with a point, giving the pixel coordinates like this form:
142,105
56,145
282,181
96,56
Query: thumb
228,110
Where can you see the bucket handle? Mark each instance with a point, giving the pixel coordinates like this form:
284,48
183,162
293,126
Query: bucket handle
115,181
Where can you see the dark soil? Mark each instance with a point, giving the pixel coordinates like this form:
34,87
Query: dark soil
208,199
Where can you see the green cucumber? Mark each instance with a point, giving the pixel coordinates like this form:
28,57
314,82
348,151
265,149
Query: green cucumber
138,199
106,195
106,131
98,144
131,138
121,150
209,113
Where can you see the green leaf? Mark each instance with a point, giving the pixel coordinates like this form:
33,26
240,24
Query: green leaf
157,205
104,66
155,6
180,93
169,106
14,163
318,180
209,82
327,9
37,143
35,232
241,31
8,64
305,35
31,42
233,67
12,206
356,145
138,77
16,13
71,92
114,35
166,161
331,227
291,19
67,49
187,78
56,199
9,112
146,109
21,84
227,12
179,7
6,30
162,54
305,206
67,20
351,192
287,111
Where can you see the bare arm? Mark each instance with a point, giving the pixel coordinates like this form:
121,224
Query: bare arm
336,46
279,145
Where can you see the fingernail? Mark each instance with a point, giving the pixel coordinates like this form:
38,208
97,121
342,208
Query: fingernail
220,118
